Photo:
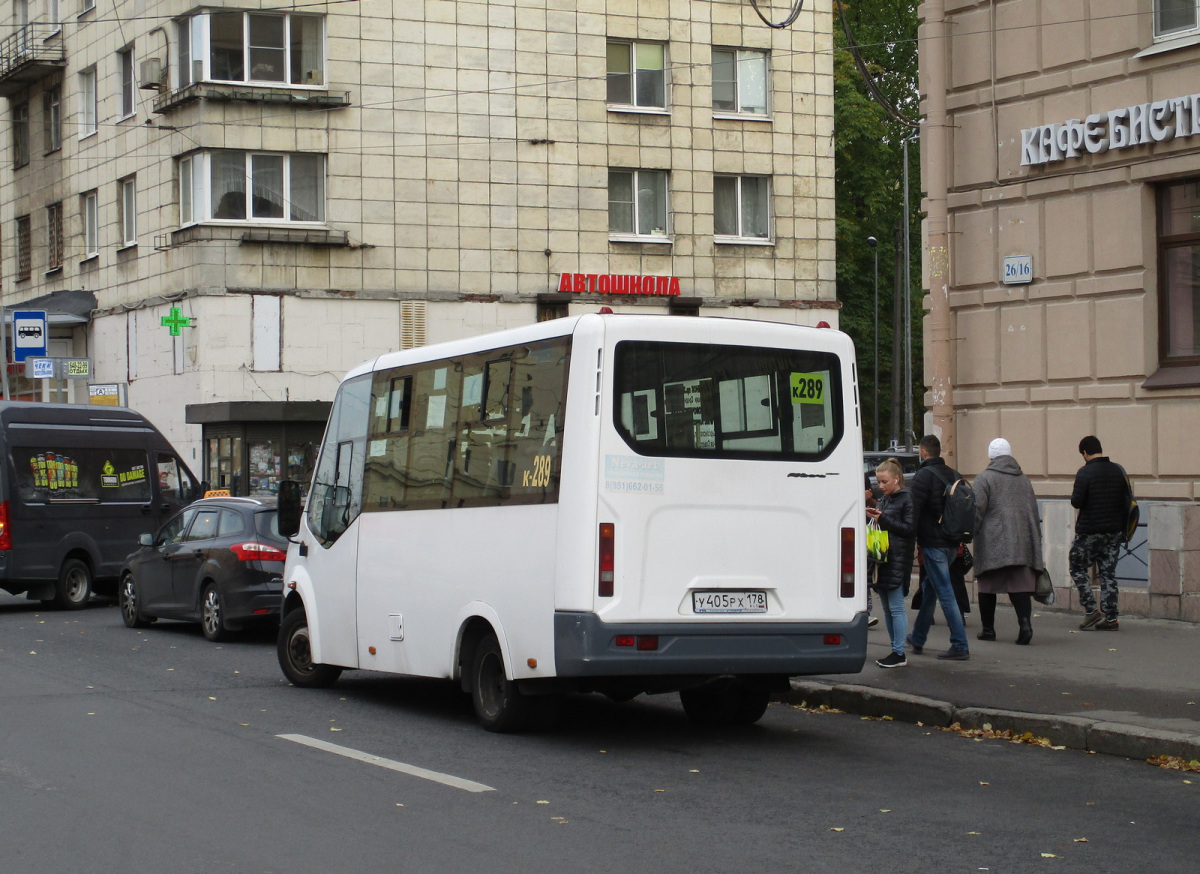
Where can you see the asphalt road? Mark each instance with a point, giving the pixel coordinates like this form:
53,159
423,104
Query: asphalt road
157,751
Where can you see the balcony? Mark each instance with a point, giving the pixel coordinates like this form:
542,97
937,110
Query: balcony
29,55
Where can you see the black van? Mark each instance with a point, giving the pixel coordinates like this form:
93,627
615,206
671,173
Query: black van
78,484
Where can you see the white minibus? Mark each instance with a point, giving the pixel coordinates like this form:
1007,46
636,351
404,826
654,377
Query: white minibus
604,503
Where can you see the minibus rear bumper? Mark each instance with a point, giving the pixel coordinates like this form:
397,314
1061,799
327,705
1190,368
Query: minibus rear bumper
585,646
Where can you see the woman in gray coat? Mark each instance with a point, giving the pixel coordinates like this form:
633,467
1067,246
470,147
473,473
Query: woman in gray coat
1008,540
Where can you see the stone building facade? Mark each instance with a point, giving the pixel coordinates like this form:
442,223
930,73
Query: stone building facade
311,186
1071,173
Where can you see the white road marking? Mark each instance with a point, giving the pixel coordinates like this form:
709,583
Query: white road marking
411,770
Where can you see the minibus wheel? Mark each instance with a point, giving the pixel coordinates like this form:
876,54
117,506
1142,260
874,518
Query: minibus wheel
498,702
734,703
295,654
74,585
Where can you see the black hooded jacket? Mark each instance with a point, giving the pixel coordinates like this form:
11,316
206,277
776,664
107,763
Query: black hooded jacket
897,519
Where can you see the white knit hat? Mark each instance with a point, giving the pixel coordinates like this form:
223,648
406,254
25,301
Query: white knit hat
999,447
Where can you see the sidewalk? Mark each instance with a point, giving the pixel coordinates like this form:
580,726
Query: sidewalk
1134,692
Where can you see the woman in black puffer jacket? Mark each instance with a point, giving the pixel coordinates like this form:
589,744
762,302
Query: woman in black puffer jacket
895,516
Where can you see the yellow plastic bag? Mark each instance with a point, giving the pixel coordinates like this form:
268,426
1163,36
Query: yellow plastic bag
877,542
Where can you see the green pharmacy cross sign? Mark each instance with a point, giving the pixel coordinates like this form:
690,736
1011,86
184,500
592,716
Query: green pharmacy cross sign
177,321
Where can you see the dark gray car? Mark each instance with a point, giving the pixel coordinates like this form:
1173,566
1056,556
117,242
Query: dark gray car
219,562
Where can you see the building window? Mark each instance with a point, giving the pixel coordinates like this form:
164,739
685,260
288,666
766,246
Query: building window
553,306
54,236
20,134
637,203
91,224
637,74
741,208
127,210
86,6
1173,18
87,103
52,118
24,248
128,84
1179,272
251,186
252,47
55,14
739,78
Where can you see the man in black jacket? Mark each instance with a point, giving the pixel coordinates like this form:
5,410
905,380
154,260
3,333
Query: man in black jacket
928,488
1101,495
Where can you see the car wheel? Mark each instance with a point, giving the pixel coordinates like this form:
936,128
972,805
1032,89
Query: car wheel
212,614
498,702
736,703
74,585
295,654
131,604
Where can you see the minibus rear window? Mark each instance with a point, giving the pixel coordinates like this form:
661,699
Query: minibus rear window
705,401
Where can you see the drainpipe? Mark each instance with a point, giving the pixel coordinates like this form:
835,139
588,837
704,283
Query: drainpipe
934,48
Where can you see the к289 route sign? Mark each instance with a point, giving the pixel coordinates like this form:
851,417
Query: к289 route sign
29,334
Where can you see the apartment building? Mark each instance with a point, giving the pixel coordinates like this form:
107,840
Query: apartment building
1062,168
225,207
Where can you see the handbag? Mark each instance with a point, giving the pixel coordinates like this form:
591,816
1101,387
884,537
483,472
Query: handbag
877,542
1043,591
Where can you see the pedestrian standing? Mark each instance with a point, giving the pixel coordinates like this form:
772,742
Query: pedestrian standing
1008,540
937,551
1101,495
894,514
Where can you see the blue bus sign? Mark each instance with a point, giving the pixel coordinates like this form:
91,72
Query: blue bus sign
30,337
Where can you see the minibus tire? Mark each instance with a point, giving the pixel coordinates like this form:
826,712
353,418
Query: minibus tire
736,703
130,601
499,704
295,655
74,585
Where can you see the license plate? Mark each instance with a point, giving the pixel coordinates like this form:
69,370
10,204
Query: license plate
729,602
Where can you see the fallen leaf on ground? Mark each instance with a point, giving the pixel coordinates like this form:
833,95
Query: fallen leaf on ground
1049,856
1174,763
837,829
1081,840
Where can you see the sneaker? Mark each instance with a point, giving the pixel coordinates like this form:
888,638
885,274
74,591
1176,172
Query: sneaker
872,622
917,650
1091,619
892,660
955,653
1108,625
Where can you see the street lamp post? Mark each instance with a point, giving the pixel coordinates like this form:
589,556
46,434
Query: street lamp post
874,244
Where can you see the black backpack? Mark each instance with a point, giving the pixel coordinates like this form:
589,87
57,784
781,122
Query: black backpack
958,511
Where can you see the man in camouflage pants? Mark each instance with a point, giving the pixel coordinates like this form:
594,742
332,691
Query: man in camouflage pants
1101,495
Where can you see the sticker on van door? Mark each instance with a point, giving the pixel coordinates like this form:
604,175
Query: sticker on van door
632,474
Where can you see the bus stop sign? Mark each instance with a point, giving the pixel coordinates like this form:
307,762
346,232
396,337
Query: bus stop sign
30,336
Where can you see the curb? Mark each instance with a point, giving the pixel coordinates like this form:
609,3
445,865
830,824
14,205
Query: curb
1072,732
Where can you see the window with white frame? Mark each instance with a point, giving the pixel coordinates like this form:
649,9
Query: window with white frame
55,14
89,212
20,134
637,203
52,118
739,81
86,6
741,208
1174,18
267,48
251,187
637,75
127,210
54,236
88,124
128,83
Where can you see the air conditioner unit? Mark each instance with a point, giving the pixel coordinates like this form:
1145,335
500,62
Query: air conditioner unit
150,75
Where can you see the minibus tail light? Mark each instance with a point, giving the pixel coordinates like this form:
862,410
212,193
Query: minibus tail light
5,535
607,549
847,563
254,551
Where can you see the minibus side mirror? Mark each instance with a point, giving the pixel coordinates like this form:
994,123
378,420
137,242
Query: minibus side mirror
289,508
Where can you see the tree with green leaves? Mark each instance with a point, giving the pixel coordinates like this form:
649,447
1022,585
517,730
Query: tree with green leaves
875,101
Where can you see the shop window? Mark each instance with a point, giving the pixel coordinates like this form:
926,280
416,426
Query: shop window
741,208
637,75
637,204
739,82
1179,273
